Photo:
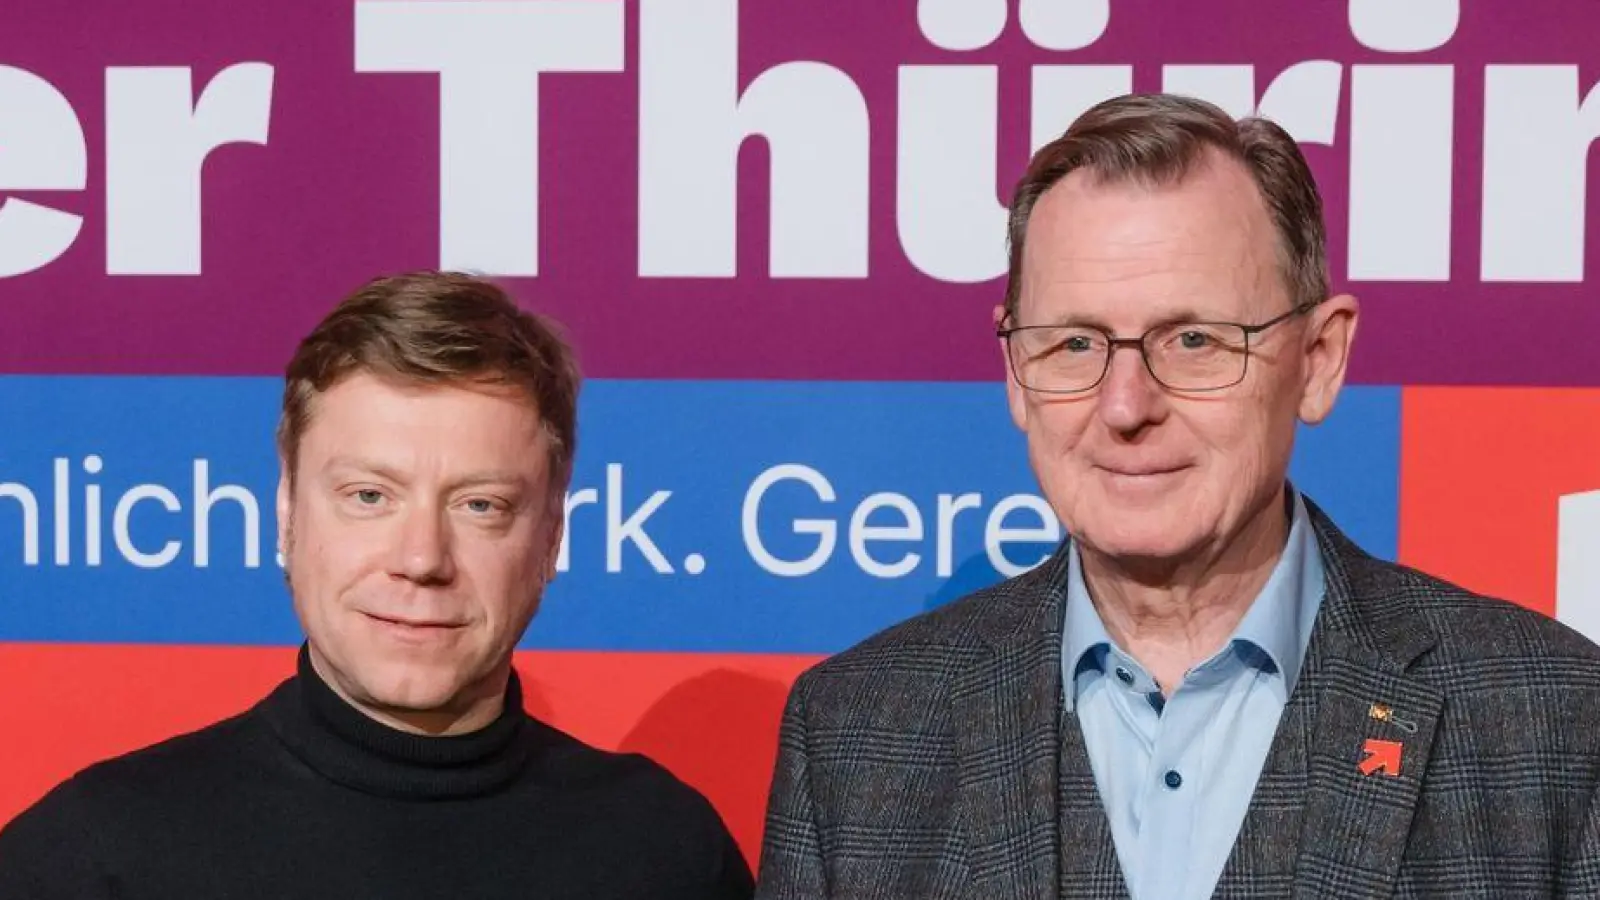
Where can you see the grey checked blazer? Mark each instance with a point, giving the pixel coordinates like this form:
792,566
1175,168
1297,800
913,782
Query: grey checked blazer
936,760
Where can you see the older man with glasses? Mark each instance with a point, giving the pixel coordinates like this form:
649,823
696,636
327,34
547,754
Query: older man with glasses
1208,690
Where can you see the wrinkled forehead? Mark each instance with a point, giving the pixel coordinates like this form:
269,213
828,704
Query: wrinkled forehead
1129,248
406,418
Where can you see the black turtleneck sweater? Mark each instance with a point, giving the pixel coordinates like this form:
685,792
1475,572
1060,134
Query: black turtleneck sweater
303,796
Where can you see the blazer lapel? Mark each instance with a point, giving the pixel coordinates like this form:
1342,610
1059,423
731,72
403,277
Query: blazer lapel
1262,861
1327,819
1358,815
1006,712
1090,867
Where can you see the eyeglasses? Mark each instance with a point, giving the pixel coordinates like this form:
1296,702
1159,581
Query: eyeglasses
1182,356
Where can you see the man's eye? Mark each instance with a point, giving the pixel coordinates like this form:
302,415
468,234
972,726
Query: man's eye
368,497
1193,340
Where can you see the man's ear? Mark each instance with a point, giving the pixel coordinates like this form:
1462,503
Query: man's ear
1329,339
285,509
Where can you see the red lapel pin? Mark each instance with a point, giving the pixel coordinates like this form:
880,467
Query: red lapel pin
1382,756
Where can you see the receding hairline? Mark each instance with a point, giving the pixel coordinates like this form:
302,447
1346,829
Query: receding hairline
1209,162
1160,139
1268,253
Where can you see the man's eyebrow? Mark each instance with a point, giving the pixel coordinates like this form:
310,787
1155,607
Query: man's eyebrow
365,466
477,478
485,477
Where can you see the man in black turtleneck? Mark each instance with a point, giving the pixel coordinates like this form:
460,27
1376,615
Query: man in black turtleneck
426,440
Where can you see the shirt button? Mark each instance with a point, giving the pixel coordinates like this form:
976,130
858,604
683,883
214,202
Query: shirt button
1173,779
1124,675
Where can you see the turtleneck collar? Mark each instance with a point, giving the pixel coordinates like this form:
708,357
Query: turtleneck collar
346,746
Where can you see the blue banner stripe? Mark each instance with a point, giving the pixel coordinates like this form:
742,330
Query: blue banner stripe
773,517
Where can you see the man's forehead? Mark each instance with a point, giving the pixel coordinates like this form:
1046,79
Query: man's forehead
395,419
1215,200
1167,242
371,381
377,400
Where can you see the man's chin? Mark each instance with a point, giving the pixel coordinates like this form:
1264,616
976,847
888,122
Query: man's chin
413,689
1144,541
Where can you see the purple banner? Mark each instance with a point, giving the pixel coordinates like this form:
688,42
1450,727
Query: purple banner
717,189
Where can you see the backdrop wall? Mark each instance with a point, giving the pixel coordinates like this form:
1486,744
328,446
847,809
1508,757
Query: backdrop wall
776,233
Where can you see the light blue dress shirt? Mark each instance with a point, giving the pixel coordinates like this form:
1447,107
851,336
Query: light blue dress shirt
1176,773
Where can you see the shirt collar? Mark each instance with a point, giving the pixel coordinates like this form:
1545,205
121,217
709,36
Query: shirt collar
1277,624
